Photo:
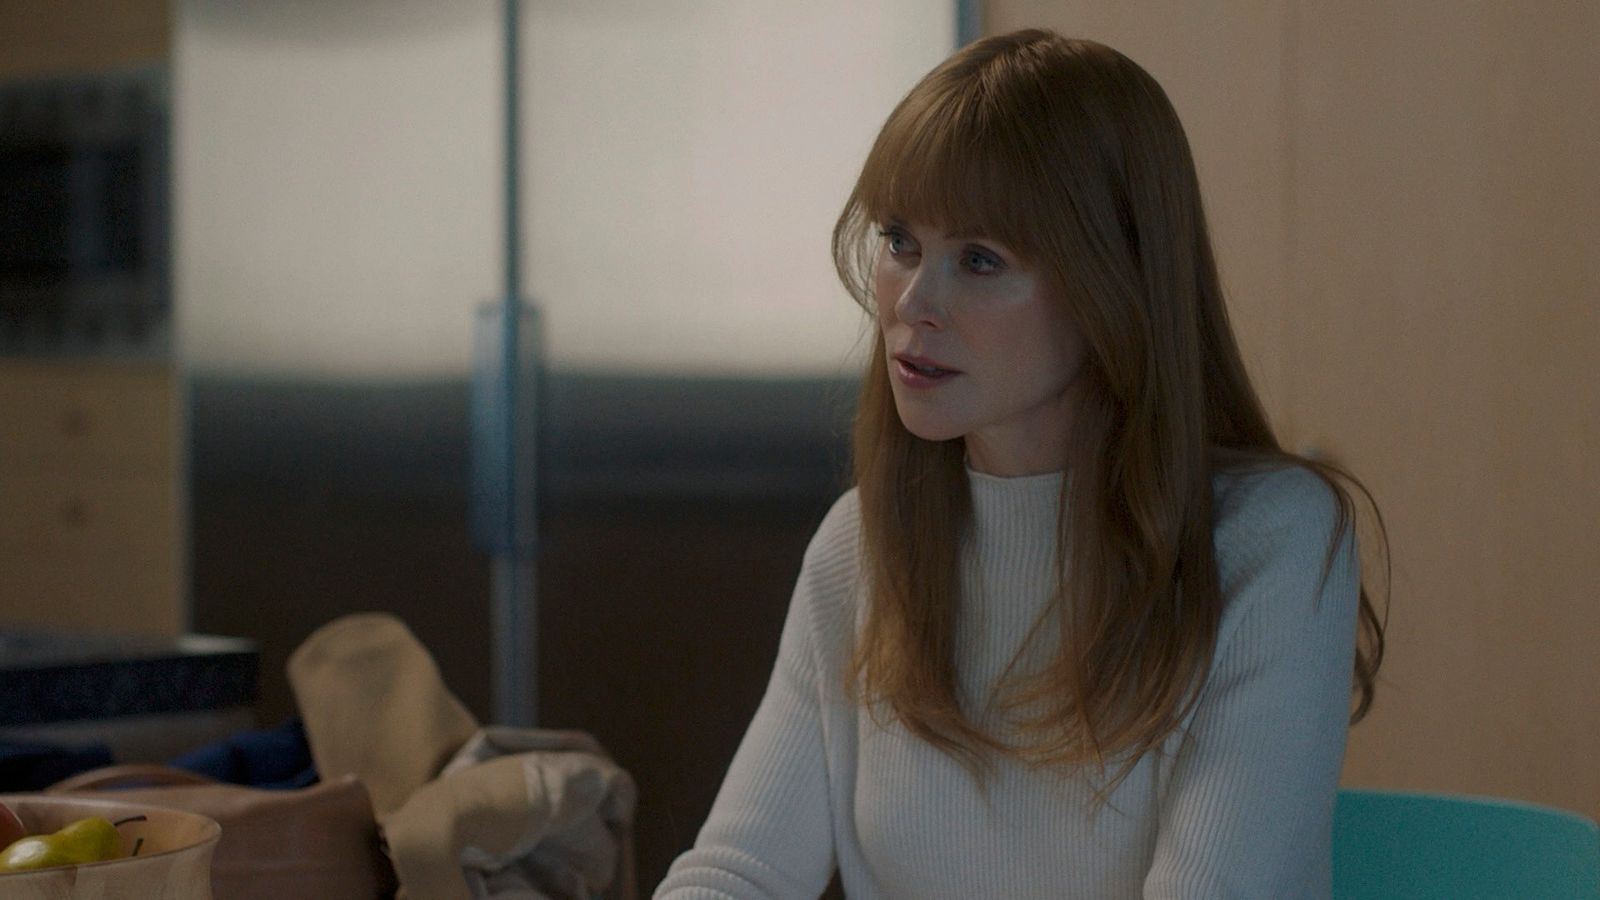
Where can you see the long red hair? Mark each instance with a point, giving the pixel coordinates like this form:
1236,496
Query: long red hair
1070,154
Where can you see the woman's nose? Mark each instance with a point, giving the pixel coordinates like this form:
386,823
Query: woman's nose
922,299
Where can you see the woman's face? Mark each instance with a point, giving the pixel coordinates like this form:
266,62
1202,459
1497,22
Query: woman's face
977,347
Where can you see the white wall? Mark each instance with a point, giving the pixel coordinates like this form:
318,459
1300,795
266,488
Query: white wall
338,179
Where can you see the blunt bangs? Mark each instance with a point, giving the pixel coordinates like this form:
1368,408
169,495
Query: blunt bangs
950,157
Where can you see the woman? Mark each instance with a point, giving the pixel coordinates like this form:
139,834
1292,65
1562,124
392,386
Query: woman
1082,629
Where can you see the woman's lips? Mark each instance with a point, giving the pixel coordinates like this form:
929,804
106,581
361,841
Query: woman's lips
918,372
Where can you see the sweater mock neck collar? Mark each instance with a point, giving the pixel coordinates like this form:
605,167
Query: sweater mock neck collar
1022,496
1018,514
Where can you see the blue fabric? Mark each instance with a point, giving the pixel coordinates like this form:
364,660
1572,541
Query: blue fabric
274,758
34,767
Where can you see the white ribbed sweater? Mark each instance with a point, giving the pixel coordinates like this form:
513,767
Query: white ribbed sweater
1238,804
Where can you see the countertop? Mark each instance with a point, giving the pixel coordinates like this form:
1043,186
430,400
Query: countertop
55,676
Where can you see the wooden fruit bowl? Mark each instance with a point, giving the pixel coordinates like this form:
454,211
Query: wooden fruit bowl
174,863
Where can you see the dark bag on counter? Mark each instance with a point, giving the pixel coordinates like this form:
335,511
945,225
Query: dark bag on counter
317,841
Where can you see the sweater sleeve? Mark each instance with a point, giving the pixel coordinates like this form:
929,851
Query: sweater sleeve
770,833
1248,808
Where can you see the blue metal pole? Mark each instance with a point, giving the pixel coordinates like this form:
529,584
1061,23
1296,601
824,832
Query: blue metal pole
513,623
513,160
969,21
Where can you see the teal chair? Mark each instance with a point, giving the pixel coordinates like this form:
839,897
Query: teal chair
1403,846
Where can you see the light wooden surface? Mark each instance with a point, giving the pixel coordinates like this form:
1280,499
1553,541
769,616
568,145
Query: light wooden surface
173,860
1446,319
46,37
89,480
1406,212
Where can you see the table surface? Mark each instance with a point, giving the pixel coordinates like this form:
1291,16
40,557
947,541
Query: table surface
36,649
61,676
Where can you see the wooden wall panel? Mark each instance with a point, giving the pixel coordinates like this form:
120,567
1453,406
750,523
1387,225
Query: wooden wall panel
1444,322
1406,212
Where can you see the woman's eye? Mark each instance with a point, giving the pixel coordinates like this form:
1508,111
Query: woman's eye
981,263
897,242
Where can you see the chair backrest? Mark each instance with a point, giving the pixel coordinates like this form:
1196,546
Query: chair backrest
1390,844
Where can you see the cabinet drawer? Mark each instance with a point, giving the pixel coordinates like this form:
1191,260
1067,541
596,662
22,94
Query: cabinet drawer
118,417
94,552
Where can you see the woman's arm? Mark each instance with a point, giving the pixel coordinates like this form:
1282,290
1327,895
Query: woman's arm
1248,808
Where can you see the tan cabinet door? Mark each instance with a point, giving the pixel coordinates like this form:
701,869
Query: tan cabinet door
90,533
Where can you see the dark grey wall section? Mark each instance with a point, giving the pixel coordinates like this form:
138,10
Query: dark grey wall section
309,501
681,437
674,516
605,436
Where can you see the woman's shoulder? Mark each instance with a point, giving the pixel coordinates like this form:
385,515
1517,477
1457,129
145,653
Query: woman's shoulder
1269,495
1286,559
1273,510
843,517
833,558
827,593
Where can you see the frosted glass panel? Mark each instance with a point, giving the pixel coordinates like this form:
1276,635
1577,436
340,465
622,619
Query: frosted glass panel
337,182
338,179
684,163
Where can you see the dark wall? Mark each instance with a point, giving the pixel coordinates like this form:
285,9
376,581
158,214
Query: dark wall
673,517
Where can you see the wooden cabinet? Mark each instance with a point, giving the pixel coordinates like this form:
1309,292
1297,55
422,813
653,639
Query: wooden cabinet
91,530
48,36
90,499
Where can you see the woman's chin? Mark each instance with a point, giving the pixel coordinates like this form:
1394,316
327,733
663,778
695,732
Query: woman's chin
931,430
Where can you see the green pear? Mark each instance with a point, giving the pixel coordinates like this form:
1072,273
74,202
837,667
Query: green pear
84,841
